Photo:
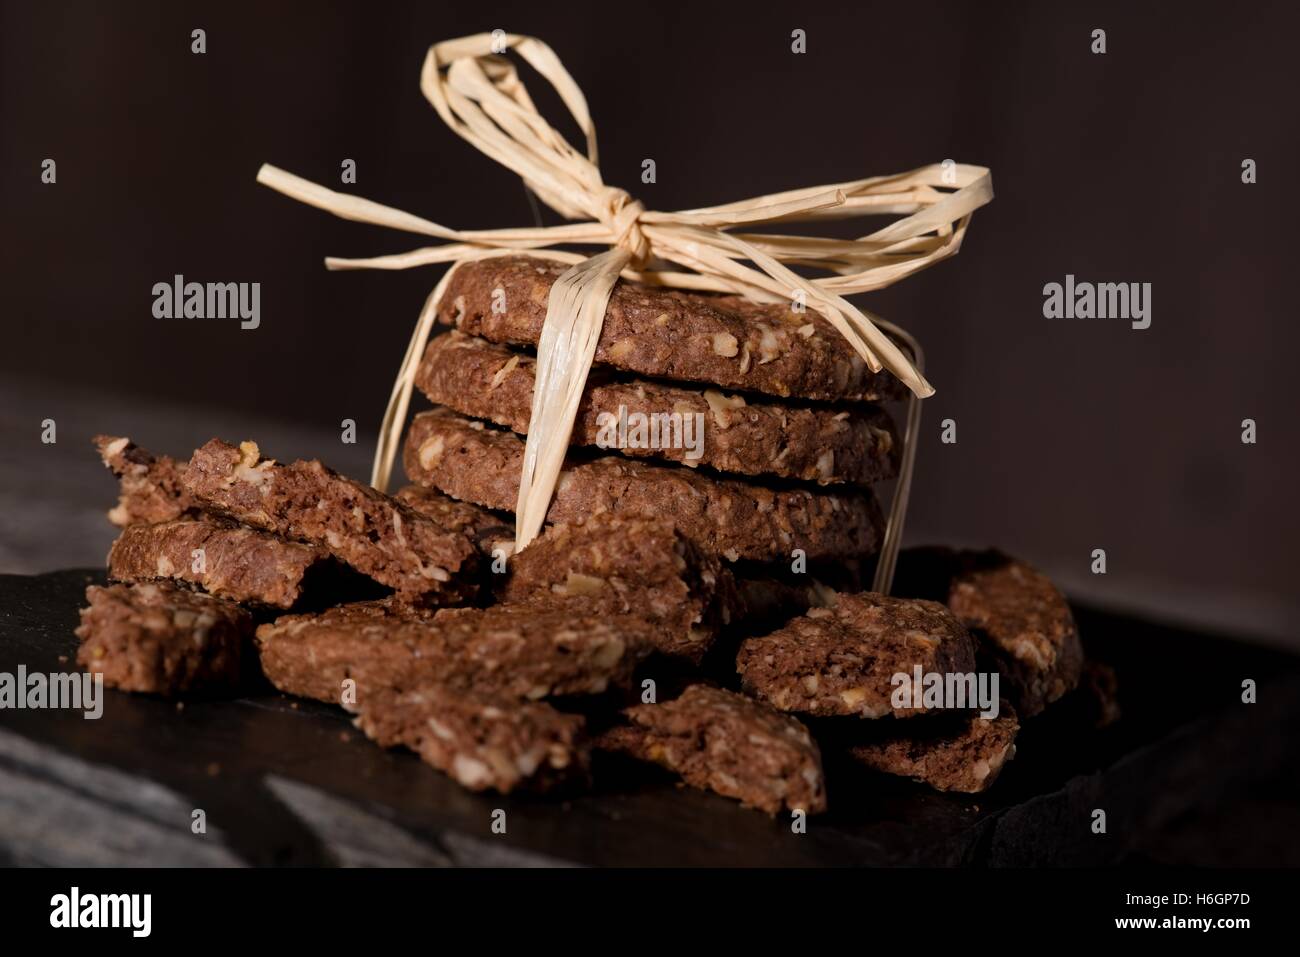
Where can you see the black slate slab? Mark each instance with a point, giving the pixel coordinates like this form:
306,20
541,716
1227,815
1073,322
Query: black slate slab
283,782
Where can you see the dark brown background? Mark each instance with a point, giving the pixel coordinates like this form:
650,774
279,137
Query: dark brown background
1072,436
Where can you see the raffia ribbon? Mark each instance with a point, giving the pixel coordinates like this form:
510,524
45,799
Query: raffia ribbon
478,93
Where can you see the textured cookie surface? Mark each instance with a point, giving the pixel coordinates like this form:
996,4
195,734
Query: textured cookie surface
724,340
842,659
227,560
730,518
161,638
959,753
483,527
721,741
1022,620
693,427
630,566
304,501
528,650
150,488
483,741
726,743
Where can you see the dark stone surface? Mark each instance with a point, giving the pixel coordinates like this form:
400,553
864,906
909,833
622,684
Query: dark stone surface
1189,776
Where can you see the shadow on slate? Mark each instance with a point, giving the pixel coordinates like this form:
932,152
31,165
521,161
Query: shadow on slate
286,782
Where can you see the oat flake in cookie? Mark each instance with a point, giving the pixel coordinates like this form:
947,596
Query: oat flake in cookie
161,638
840,660
724,742
304,501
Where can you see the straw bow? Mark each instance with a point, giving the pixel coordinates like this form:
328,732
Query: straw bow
478,93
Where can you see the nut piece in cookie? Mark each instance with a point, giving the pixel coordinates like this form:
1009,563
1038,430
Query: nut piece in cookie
630,566
484,741
161,638
724,742
305,501
962,753
229,561
531,650
841,659
150,488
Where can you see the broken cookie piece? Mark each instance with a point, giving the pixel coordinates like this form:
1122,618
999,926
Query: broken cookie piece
630,566
150,485
721,741
962,753
842,659
483,741
305,501
161,638
485,528
1023,622
1020,621
530,650
227,560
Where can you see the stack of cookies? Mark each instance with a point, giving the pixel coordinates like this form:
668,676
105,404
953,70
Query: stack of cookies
748,426
695,600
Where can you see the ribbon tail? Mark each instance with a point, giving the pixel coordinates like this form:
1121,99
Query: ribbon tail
399,400
575,315
887,557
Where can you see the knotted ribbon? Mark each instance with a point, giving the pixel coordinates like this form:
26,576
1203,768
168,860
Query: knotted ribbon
478,93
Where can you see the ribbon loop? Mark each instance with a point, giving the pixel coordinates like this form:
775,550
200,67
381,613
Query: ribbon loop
479,94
